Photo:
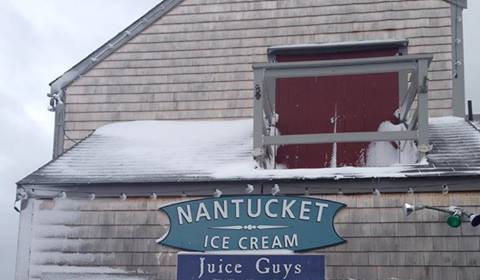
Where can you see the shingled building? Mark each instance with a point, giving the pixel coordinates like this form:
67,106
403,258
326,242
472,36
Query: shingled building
360,102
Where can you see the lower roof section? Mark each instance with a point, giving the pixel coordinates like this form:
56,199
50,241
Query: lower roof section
221,151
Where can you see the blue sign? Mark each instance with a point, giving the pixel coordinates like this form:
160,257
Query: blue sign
256,222
246,267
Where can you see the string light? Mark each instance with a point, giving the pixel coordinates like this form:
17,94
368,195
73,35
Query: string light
444,189
123,196
53,193
410,191
217,193
63,195
307,191
275,189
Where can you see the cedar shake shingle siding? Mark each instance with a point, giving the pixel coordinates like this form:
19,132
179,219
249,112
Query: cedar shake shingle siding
113,235
93,211
195,61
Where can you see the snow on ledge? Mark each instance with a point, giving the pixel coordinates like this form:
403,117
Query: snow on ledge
446,120
219,149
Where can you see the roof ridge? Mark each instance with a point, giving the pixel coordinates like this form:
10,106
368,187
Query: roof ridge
114,44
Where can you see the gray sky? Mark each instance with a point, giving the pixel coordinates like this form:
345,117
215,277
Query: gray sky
43,39
472,55
40,41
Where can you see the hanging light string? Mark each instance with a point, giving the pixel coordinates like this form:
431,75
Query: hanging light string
59,193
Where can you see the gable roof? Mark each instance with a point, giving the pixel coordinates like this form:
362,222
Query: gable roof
113,44
126,35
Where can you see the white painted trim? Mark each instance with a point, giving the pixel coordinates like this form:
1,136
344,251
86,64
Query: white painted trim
22,267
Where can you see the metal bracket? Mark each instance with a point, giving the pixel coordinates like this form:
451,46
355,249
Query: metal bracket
258,92
425,148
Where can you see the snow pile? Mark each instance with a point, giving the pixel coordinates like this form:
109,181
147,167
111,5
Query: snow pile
164,149
391,153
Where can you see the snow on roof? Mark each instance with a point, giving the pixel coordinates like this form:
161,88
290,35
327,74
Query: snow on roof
456,143
173,151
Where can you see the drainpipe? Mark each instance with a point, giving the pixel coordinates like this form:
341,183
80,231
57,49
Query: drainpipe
458,69
59,129
57,105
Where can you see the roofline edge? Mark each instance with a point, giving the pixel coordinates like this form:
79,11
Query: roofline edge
460,3
434,183
114,44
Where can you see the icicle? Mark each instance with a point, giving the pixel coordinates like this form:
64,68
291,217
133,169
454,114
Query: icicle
333,120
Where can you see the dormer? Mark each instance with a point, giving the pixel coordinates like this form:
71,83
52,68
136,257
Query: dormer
347,104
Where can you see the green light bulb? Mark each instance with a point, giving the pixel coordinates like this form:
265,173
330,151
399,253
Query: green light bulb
454,221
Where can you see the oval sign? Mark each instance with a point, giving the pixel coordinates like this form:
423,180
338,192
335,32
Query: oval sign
255,222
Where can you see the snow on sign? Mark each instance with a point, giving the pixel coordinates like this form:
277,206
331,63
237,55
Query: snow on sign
255,222
259,267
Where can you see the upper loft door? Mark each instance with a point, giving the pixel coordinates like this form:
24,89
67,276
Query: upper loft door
351,103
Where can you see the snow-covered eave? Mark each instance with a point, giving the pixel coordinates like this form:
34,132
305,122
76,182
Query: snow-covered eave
466,181
244,175
303,175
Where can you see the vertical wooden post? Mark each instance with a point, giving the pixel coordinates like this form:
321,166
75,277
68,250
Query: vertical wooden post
258,116
402,86
24,243
422,98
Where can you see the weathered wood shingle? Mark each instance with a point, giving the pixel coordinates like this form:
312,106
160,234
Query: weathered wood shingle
202,52
381,242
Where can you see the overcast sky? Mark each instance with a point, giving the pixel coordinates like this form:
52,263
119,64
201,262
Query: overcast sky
41,40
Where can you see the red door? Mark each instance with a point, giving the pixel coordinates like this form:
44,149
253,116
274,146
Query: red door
311,105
